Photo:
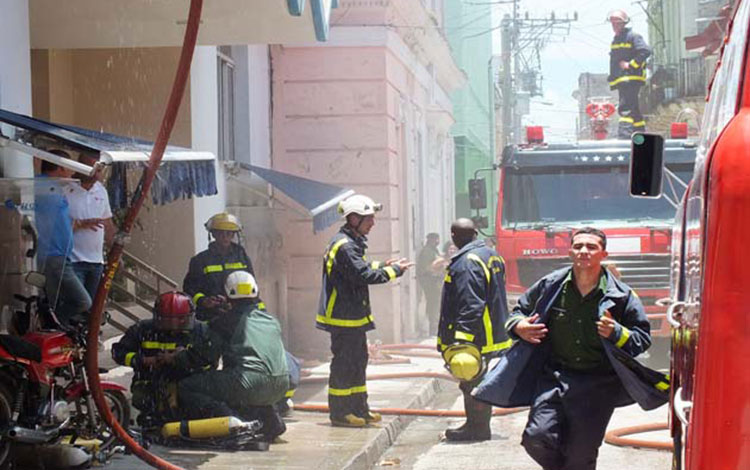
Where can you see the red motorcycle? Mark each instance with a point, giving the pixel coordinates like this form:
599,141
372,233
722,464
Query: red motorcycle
44,391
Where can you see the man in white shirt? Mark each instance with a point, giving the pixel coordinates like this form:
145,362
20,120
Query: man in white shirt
92,224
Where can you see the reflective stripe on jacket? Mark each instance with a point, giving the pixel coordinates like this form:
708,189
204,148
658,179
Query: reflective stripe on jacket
344,296
474,304
144,340
209,270
631,48
513,380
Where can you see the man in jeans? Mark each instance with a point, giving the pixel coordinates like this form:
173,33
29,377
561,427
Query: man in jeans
66,295
92,217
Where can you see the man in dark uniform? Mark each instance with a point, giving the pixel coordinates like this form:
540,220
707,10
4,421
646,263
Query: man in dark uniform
255,374
144,344
627,73
429,281
579,330
344,310
209,269
472,314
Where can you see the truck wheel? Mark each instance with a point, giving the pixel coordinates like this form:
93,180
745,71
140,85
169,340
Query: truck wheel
6,411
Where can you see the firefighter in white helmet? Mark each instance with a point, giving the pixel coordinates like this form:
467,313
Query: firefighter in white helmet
473,311
627,72
344,309
209,269
255,374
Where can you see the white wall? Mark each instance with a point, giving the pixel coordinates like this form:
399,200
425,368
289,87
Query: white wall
15,75
204,128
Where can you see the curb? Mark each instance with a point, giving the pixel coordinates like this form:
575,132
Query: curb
367,457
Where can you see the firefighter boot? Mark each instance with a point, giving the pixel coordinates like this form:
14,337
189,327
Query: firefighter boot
372,417
348,421
477,425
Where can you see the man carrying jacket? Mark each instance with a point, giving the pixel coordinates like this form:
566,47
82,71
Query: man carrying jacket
627,73
579,330
209,269
472,313
344,310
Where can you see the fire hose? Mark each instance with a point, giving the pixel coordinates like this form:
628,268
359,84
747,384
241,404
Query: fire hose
115,253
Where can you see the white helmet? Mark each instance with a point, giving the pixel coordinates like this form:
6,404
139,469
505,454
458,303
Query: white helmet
359,204
618,14
241,285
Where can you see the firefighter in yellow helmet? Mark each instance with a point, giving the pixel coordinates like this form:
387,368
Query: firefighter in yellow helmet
344,309
209,269
472,314
627,72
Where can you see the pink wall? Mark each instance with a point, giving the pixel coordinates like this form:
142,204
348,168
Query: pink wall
332,122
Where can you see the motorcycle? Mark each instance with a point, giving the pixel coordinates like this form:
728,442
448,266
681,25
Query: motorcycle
44,392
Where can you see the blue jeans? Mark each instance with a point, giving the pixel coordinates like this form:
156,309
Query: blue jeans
90,274
65,292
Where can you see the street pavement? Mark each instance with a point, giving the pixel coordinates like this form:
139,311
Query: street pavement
399,442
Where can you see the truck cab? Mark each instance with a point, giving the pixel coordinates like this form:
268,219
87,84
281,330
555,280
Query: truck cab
548,191
710,279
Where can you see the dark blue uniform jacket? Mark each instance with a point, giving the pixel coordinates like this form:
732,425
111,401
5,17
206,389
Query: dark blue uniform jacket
474,305
512,381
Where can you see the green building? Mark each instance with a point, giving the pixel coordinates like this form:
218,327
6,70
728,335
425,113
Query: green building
468,28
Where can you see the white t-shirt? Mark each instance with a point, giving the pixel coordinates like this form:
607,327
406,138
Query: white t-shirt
88,245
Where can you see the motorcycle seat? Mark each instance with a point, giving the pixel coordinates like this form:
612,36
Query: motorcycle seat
18,347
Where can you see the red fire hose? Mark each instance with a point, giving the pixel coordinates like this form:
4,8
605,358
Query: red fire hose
615,437
115,253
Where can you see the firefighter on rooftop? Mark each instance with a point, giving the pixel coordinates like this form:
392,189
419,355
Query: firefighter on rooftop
627,72
344,309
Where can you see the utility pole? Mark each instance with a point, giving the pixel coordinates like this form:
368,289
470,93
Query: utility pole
522,40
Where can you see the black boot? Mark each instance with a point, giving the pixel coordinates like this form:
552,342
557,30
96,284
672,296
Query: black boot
477,425
273,425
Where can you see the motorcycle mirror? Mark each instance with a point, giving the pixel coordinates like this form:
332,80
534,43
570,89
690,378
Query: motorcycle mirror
36,279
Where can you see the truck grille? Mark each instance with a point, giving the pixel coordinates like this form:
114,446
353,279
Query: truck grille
638,271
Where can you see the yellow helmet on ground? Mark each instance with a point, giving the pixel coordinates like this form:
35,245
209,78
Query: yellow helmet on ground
241,285
224,221
464,361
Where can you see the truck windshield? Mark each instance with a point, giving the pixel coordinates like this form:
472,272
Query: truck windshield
549,195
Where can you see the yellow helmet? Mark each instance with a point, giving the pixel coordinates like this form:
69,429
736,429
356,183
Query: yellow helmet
224,221
464,361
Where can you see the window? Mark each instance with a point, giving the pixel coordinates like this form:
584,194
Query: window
225,79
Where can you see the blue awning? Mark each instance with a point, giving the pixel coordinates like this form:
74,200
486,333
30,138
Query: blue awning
183,173
320,199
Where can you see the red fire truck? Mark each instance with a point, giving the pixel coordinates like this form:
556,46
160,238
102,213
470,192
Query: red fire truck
548,191
710,278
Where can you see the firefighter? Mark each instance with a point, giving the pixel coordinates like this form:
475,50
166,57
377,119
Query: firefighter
627,72
209,269
344,309
255,374
144,345
579,330
472,314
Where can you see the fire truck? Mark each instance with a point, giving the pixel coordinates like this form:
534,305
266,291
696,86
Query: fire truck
710,275
547,191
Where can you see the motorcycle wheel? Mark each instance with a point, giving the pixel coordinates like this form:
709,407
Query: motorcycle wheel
120,408
6,411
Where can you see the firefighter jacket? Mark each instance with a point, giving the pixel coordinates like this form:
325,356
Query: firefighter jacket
513,380
631,48
474,304
144,340
209,270
246,338
345,297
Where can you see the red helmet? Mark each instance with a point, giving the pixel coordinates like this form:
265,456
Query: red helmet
174,311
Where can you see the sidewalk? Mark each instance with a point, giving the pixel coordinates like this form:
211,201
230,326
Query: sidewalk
310,440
